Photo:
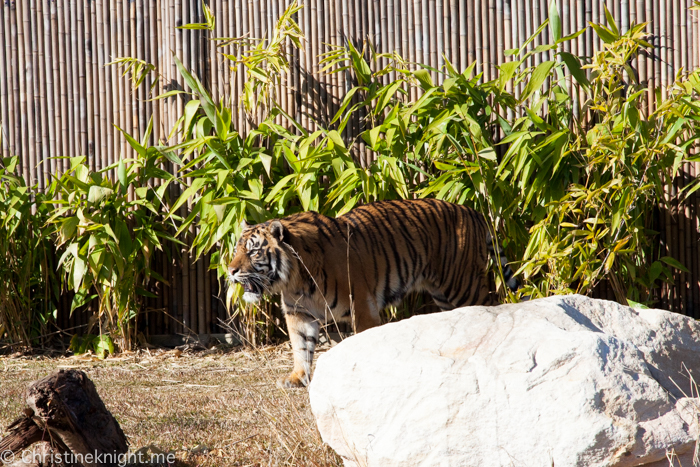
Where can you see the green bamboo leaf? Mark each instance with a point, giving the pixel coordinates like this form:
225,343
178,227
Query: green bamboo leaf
121,174
346,101
423,77
611,22
385,96
674,263
78,272
374,137
360,66
190,111
132,142
190,191
165,95
571,36
536,79
606,35
554,20
574,66
98,193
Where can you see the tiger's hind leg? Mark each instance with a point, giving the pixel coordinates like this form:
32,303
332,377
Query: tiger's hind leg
303,334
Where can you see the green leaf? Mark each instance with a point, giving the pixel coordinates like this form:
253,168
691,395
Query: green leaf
611,22
190,111
374,137
133,143
121,174
536,79
607,36
574,66
98,193
191,190
387,93
423,77
78,272
554,20
637,305
674,263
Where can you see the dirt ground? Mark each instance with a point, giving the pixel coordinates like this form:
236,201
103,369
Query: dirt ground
219,407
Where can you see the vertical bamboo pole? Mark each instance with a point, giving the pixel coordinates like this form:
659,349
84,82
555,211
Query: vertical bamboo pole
5,148
388,21
50,94
444,17
651,68
120,104
16,127
417,49
464,44
214,72
695,46
81,95
437,38
327,95
521,31
488,16
432,38
130,49
466,33
313,32
351,33
55,92
305,63
403,29
40,139
39,65
27,152
475,33
139,96
8,99
36,130
500,21
94,95
109,20
75,131
155,107
211,322
201,301
425,35
89,95
684,17
663,44
677,29
454,33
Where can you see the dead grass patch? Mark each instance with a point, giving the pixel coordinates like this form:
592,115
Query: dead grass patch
213,408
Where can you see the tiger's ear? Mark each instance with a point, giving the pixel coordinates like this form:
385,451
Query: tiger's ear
244,225
277,230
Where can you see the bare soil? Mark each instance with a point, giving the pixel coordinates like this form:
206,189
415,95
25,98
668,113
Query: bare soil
220,407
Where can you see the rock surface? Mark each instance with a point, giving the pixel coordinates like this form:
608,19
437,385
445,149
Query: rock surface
562,381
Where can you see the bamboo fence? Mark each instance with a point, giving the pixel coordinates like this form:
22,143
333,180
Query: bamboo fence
58,99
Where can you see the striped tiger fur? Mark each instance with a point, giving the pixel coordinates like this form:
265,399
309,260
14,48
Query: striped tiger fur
365,260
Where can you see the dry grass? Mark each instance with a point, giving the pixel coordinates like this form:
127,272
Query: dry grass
213,408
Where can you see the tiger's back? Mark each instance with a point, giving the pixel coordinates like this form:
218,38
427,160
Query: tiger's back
420,245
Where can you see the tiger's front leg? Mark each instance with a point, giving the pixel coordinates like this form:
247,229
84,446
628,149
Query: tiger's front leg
303,334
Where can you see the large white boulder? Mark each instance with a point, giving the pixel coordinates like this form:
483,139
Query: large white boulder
562,381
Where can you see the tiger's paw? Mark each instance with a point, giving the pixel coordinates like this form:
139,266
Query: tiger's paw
293,380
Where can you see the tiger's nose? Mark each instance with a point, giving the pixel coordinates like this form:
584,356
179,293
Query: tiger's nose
232,271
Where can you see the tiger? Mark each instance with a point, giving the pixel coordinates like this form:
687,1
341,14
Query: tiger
347,269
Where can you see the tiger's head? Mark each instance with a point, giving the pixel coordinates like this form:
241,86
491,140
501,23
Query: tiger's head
261,263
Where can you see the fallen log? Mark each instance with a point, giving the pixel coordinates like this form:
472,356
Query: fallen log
67,419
